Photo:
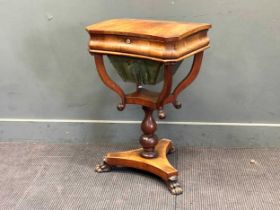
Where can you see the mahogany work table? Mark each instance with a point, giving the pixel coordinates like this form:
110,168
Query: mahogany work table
147,52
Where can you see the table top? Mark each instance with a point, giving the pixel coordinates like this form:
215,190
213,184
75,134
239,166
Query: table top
152,29
163,41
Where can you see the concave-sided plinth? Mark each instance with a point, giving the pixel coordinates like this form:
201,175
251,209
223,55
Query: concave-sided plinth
159,165
151,157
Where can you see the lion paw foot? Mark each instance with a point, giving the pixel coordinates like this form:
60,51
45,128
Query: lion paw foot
104,167
174,186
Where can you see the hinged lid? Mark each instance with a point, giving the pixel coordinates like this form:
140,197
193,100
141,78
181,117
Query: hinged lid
164,41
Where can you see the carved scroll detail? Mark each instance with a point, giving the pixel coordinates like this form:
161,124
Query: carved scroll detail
186,81
108,81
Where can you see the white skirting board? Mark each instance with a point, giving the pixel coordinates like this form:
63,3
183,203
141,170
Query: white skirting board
238,124
201,134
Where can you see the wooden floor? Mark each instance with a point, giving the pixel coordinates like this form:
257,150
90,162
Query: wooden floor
61,176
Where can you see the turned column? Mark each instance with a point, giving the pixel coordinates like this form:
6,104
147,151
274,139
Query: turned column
148,139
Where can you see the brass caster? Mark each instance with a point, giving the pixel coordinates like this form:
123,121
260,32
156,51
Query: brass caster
104,167
174,186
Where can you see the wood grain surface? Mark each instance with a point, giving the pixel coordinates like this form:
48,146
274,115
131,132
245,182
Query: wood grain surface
159,166
151,29
163,41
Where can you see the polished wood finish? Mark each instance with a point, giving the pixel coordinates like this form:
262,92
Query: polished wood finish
148,139
186,81
143,97
150,29
151,99
163,41
108,81
159,165
167,85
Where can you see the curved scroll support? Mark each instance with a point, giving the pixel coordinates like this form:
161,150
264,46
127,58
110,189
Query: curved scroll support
186,81
166,89
108,81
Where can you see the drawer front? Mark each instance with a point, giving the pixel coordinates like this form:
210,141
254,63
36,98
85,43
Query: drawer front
126,44
149,49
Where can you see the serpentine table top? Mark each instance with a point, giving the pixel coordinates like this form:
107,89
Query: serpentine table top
164,41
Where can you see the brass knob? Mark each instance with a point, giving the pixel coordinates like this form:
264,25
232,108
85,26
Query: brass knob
128,41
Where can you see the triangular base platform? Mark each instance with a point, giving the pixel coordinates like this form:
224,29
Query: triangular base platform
159,166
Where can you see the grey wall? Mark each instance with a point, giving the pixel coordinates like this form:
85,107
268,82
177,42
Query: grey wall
46,71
